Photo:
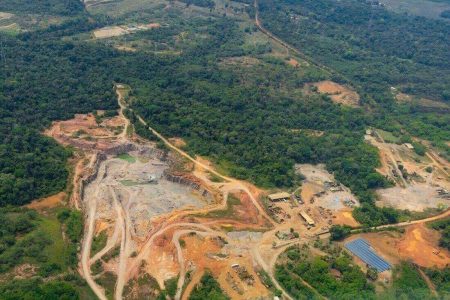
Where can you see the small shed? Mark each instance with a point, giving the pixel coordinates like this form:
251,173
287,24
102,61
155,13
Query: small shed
409,146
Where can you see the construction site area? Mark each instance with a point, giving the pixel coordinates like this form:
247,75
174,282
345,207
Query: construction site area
159,217
318,204
114,31
421,181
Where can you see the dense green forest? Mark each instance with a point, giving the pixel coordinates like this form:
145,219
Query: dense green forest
47,7
43,81
38,290
373,50
36,239
376,48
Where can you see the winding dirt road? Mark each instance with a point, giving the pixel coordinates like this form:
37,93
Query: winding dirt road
87,240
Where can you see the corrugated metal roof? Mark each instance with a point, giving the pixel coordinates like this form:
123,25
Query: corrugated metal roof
278,196
307,218
362,249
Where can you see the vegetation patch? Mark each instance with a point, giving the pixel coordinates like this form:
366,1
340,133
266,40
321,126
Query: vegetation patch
208,288
408,284
345,282
108,281
226,213
99,242
171,286
127,157
443,226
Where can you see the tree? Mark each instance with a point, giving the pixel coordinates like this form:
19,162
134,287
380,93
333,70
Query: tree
339,232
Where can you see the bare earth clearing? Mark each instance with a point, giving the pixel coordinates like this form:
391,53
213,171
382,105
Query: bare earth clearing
420,189
48,202
338,93
114,31
5,16
323,196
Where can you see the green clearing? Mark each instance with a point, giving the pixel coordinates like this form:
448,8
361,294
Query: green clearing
33,238
214,178
407,284
225,213
57,250
388,137
127,157
27,236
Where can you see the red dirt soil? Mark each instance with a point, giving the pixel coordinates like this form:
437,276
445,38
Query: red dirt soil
48,202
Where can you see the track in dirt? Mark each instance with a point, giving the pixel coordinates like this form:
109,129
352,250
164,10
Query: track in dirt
289,47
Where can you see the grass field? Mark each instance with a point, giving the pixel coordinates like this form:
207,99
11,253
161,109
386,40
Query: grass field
388,137
57,250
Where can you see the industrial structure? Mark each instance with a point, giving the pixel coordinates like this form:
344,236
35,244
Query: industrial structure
362,249
307,218
282,196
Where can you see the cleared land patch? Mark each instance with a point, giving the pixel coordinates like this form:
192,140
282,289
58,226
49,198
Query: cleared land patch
424,8
417,197
114,31
48,202
108,32
421,182
337,92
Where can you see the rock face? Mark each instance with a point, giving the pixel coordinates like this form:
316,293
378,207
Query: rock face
189,180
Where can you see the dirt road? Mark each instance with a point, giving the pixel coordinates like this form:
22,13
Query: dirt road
87,241
120,100
176,240
124,246
273,37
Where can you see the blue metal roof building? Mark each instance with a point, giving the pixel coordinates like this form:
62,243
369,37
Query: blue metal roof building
362,249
